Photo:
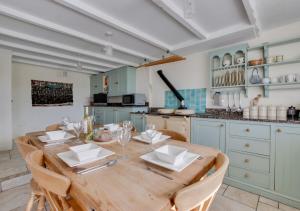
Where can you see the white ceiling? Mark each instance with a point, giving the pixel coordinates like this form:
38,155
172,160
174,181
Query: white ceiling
62,33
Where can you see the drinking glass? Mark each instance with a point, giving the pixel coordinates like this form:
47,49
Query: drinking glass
78,127
151,133
66,120
124,137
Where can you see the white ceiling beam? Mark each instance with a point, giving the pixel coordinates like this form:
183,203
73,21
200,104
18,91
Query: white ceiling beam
252,15
61,46
25,17
47,52
89,11
26,61
178,14
54,61
218,35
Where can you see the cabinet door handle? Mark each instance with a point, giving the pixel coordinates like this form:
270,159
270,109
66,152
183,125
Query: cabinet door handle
246,160
247,145
247,130
278,130
221,125
246,175
166,117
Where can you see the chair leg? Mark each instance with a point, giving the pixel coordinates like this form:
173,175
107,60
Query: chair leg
30,202
41,204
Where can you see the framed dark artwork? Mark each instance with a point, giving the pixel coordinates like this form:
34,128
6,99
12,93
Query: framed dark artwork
46,93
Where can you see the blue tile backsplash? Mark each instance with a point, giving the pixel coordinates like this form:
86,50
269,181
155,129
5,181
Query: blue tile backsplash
194,99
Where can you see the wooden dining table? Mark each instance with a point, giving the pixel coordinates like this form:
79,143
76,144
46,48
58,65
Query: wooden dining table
128,185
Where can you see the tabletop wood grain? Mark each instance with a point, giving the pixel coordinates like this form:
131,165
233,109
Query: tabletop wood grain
128,185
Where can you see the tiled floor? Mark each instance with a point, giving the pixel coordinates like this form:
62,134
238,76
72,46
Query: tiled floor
227,199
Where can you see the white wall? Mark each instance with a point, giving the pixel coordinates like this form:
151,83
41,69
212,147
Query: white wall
27,118
5,100
194,72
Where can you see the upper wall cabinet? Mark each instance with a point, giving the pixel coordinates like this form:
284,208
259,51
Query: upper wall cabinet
121,81
96,84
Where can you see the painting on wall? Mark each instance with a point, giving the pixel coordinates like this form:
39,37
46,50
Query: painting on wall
46,93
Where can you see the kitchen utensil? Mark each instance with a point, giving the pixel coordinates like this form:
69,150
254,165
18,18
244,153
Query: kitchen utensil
255,78
266,80
281,79
279,58
159,173
291,112
256,62
233,108
239,108
240,60
217,99
290,78
228,98
98,167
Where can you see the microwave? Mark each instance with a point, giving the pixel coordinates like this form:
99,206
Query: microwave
100,99
134,99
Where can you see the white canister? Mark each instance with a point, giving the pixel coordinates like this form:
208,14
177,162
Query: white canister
246,113
254,112
272,112
262,112
281,113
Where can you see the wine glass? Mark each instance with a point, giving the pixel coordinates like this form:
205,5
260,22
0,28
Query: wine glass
127,125
78,127
124,137
66,120
151,133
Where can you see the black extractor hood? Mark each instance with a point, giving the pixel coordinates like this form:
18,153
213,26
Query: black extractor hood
176,93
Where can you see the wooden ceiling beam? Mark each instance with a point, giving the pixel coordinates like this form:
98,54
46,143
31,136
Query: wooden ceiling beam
252,15
170,59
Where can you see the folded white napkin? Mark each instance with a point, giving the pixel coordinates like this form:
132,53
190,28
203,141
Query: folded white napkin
70,126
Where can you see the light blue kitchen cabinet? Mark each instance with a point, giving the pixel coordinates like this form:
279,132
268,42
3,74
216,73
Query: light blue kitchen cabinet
121,81
287,170
123,114
96,84
110,115
139,121
208,133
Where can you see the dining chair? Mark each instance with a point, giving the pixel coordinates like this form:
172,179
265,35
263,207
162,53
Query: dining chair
24,147
199,195
53,127
174,135
54,186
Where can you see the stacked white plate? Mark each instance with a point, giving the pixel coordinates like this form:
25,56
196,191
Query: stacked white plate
55,137
83,154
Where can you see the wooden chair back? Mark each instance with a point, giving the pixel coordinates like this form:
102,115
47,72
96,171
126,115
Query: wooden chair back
24,146
53,127
199,195
174,135
54,185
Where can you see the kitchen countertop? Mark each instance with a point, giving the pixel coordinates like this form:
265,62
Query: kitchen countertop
221,114
115,106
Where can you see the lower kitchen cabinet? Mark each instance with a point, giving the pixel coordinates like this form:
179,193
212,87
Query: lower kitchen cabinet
180,124
264,156
139,122
287,171
108,115
208,133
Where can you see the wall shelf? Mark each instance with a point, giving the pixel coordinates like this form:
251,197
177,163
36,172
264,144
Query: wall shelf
229,67
277,63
